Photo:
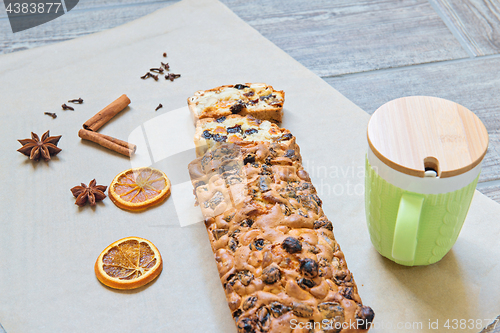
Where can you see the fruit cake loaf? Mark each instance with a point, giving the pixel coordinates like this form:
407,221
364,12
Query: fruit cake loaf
278,260
235,128
257,99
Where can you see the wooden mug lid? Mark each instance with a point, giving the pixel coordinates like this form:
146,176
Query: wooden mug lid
412,134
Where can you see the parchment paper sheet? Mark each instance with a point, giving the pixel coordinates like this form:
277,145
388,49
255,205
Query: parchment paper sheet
48,245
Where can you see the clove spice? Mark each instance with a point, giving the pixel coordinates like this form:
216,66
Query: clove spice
145,76
65,107
157,70
167,66
76,101
158,107
172,76
164,54
53,115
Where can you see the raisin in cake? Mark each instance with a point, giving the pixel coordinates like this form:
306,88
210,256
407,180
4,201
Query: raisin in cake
257,99
279,263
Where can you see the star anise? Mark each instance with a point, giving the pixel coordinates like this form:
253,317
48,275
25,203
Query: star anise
36,148
92,193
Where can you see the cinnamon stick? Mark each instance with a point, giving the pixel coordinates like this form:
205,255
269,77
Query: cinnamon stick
109,142
103,116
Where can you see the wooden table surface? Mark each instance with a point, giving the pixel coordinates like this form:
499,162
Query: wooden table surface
370,51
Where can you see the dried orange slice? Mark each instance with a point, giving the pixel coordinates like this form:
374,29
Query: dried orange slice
128,263
139,188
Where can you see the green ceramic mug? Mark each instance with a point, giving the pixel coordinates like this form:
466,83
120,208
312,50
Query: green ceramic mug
414,220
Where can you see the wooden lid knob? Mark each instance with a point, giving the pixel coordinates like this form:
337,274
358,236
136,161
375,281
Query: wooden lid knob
412,134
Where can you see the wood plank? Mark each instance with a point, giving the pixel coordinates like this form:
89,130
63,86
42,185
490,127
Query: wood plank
470,82
74,24
492,191
345,36
477,21
329,37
